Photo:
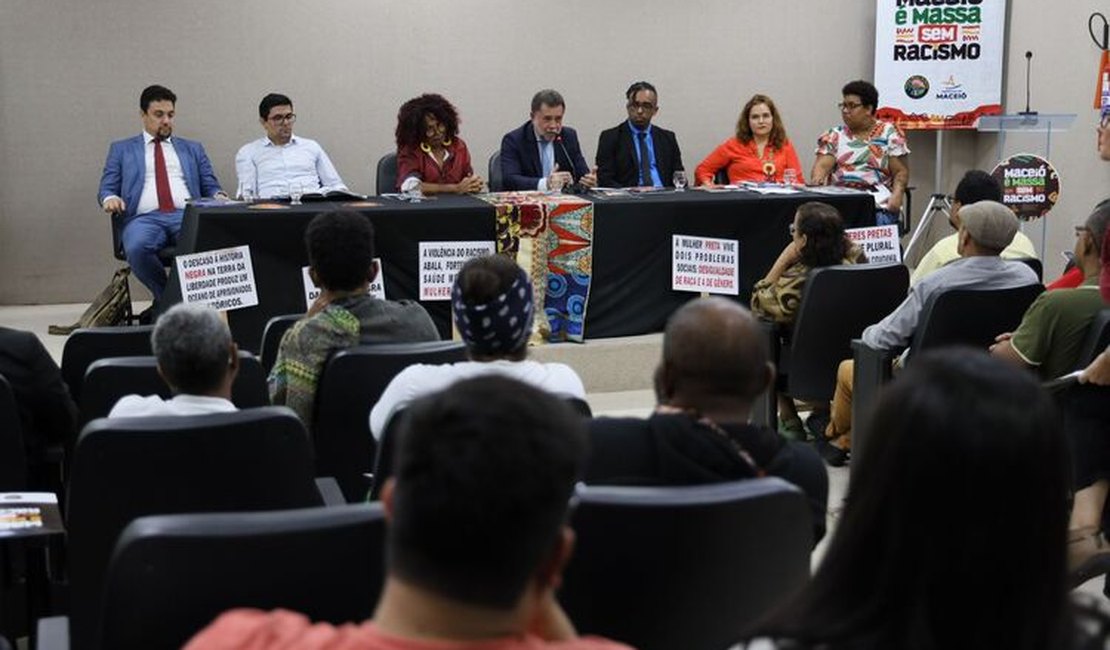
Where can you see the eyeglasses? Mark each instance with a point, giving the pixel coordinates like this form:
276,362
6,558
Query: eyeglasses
1079,230
793,229
278,119
641,106
848,106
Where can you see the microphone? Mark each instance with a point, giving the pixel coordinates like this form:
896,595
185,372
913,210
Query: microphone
1028,67
575,187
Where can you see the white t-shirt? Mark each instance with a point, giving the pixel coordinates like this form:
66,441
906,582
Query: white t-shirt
130,406
420,379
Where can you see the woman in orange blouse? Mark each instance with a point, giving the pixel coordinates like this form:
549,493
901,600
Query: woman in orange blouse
760,151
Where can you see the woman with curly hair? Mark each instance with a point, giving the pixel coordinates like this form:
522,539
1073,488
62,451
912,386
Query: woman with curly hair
817,240
760,150
431,156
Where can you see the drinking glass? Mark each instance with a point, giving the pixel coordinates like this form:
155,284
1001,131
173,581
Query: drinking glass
295,193
790,177
679,181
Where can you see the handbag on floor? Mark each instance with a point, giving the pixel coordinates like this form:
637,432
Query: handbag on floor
112,306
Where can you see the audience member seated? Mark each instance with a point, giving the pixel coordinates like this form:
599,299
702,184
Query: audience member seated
976,185
197,359
46,410
281,162
341,262
149,183
817,240
637,153
431,156
865,152
476,539
986,229
492,306
542,154
1053,329
928,552
760,150
715,364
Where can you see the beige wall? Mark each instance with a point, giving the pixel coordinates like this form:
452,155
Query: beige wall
71,72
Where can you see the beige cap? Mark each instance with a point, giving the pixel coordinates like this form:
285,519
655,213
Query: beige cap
990,224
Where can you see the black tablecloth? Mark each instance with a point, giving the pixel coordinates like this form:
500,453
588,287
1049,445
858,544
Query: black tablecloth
630,291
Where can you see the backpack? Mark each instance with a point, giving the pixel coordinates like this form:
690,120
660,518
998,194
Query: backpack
111,307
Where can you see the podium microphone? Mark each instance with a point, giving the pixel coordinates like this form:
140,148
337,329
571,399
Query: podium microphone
1028,67
575,187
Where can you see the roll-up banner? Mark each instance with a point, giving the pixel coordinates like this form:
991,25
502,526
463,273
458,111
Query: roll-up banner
938,63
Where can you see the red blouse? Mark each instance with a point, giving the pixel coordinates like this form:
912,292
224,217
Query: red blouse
744,164
412,161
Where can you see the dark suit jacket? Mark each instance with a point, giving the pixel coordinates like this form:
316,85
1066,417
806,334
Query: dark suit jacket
521,168
46,410
617,164
125,171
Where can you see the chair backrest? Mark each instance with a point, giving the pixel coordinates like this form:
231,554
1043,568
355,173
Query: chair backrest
387,445
1034,264
621,452
1098,338
838,302
171,575
13,455
117,237
276,328
125,468
971,316
89,344
350,384
109,379
496,184
386,177
721,177
684,567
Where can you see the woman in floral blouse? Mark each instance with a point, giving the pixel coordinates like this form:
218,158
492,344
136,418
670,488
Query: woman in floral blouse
865,152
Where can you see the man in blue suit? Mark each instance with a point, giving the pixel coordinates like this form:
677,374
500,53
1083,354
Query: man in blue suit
148,183
543,154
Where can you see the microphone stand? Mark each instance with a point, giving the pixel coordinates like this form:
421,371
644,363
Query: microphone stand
1029,115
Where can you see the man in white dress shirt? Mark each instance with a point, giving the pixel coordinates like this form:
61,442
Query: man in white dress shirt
196,358
282,162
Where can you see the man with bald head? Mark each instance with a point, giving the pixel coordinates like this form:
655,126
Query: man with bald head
715,364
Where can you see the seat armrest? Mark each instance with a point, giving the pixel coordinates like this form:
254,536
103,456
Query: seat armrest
53,633
872,370
329,491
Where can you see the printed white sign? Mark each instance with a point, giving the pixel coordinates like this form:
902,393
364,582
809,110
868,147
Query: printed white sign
705,264
879,243
312,292
440,262
222,279
939,67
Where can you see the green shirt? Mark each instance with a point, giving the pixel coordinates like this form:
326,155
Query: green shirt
1054,327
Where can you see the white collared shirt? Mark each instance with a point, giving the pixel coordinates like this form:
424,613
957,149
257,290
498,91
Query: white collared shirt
143,406
148,200
269,169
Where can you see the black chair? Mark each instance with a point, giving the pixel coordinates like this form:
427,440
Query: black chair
350,384
721,177
971,317
276,328
1034,264
171,575
165,255
383,456
107,380
89,344
838,302
386,178
13,453
496,184
684,567
1098,338
125,468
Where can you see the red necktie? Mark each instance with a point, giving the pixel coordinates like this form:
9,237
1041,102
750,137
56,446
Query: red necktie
162,179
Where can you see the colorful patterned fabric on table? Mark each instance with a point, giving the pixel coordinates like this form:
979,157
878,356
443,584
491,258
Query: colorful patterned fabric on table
550,237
